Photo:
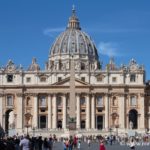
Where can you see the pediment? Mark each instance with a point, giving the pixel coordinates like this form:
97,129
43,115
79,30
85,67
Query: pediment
66,82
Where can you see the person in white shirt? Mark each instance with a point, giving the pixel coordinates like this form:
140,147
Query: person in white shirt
132,144
25,143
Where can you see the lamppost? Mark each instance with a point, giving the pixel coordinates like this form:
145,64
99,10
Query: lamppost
27,126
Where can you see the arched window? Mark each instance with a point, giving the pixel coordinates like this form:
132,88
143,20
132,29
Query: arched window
99,101
82,101
133,101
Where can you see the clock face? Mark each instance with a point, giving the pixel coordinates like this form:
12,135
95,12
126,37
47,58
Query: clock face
133,67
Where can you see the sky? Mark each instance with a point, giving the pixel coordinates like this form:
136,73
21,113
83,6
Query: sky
119,29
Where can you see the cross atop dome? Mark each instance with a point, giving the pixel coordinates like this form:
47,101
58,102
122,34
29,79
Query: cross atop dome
73,20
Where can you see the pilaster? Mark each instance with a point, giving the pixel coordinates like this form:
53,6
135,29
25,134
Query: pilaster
122,111
106,111
54,126
142,111
35,113
78,125
20,111
49,111
64,111
87,112
93,112
1,110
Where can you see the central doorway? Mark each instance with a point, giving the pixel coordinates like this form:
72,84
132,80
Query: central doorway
99,122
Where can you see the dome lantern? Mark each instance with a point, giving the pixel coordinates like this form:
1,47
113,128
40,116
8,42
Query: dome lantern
73,20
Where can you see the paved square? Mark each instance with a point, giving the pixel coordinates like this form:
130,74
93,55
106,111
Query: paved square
95,146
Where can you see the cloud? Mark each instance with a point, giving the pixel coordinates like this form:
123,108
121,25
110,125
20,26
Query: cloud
53,31
109,49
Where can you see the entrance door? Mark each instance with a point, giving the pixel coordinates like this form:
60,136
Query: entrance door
59,124
99,122
42,122
133,119
9,121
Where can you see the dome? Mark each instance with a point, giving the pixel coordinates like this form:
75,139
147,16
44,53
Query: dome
73,41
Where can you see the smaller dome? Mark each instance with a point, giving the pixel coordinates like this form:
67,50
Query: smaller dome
34,66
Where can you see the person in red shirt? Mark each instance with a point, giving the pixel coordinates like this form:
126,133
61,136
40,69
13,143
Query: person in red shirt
102,146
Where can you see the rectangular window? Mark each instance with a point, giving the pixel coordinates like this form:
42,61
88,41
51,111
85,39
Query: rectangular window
114,79
43,79
132,78
9,78
59,110
100,78
83,79
82,110
99,110
9,100
100,101
42,101
133,101
59,79
28,79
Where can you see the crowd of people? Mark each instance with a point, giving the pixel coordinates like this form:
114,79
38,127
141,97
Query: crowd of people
70,143
26,143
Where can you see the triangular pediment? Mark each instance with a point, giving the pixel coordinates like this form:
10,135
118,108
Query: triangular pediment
66,82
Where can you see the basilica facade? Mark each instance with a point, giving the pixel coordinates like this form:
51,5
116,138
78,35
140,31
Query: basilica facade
74,92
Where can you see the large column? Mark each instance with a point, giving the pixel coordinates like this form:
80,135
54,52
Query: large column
78,112
106,111
64,111
35,113
142,112
20,113
122,111
93,112
49,112
1,110
149,117
87,112
54,112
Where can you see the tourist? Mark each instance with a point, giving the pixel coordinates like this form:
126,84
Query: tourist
132,144
25,143
75,142
45,144
50,143
102,146
70,143
79,145
64,145
89,142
